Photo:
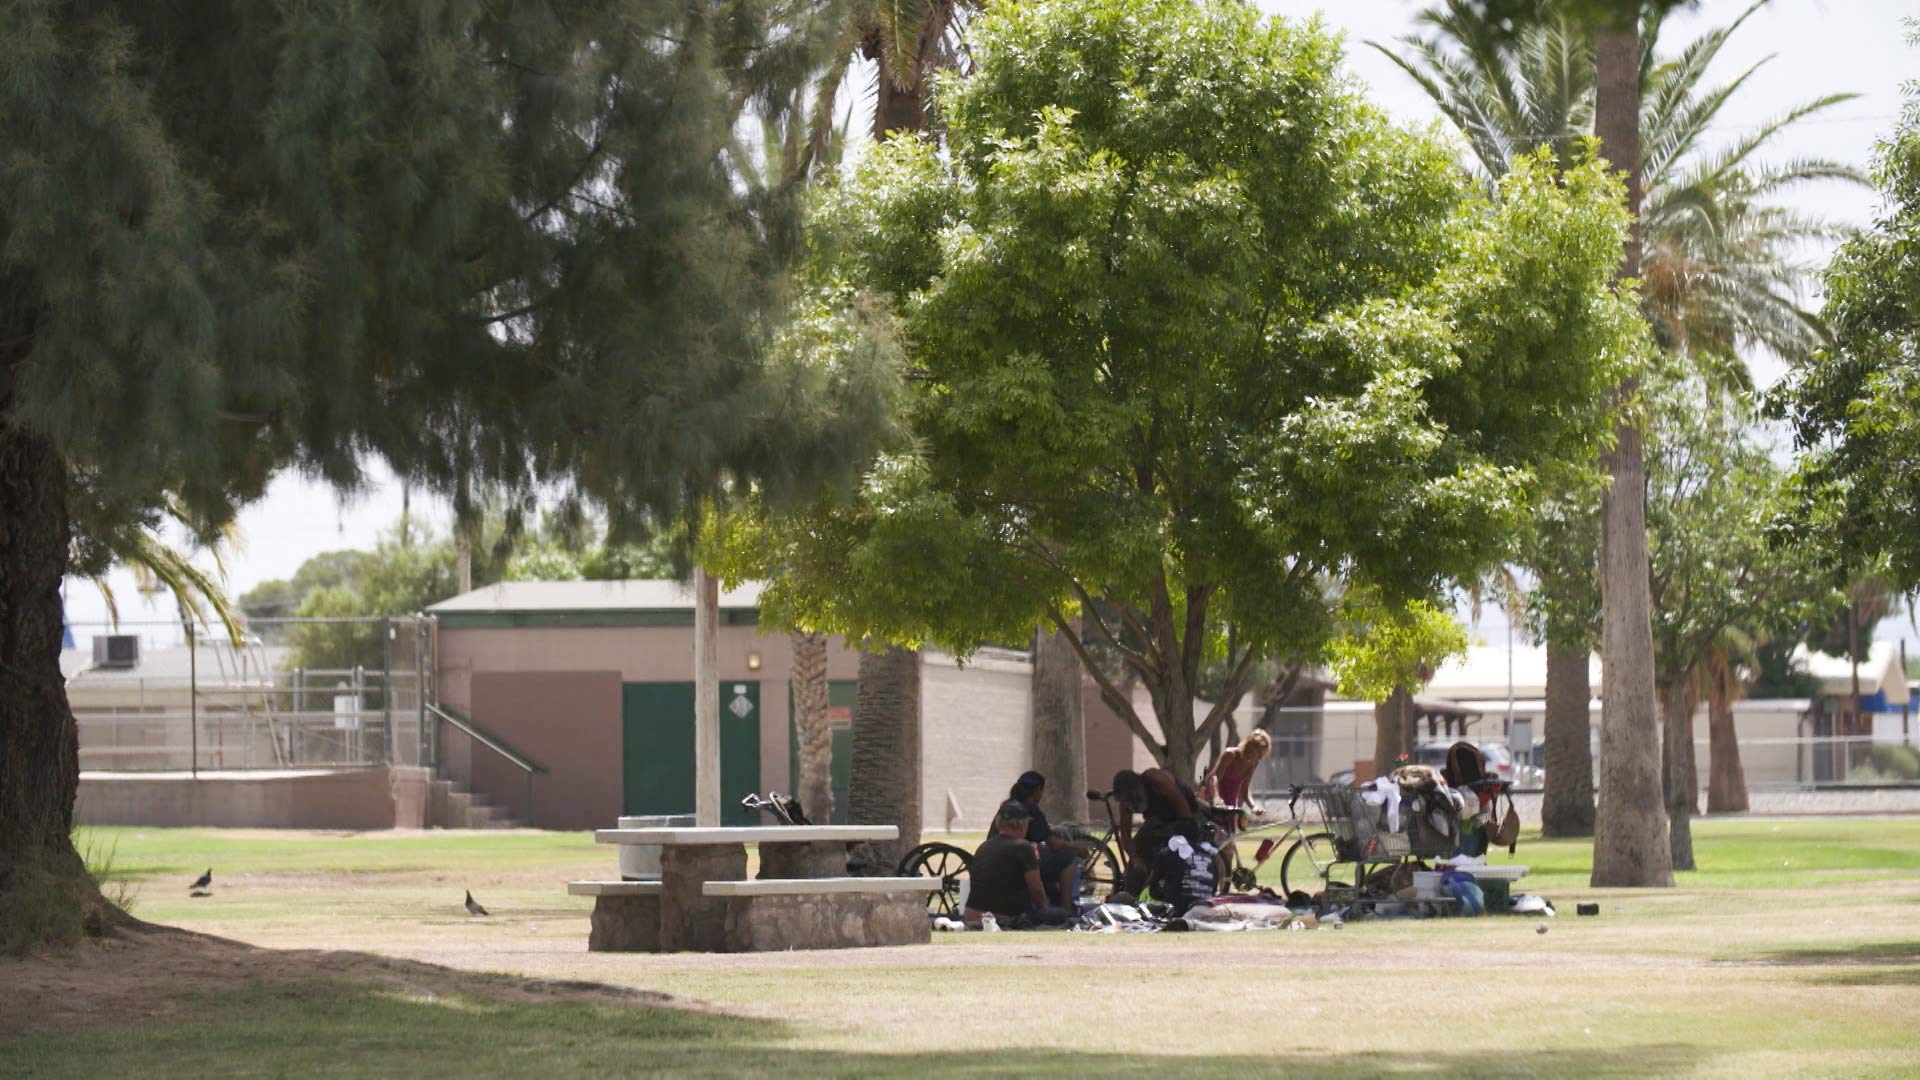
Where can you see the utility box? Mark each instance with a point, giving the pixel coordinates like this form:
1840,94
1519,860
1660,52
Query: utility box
116,651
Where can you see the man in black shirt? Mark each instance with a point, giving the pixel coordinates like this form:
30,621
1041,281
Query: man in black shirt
1165,803
1005,873
1059,857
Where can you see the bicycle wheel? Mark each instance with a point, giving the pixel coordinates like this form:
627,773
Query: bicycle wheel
1307,865
1099,872
943,861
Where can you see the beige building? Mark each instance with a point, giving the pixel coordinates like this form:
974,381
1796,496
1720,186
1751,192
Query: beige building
593,682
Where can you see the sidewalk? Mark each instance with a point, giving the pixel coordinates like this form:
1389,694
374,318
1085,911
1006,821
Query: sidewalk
1865,803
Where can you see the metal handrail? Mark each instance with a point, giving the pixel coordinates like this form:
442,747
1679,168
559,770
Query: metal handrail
526,765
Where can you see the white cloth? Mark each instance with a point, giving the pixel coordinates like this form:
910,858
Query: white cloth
1385,791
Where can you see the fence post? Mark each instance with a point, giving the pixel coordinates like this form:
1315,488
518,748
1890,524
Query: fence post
386,689
420,692
193,702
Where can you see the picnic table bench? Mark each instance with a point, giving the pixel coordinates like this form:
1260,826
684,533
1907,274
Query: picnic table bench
801,900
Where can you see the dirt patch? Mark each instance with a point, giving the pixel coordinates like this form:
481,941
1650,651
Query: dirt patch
162,974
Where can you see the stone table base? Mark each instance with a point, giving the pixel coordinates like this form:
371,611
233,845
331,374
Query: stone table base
690,920
825,921
625,924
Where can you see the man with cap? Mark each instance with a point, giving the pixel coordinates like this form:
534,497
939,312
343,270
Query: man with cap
1004,875
1059,858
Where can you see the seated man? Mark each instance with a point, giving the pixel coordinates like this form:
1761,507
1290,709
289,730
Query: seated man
1005,874
1165,804
1059,857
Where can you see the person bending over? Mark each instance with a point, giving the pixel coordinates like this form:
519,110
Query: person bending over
1005,873
1164,804
1229,784
1059,858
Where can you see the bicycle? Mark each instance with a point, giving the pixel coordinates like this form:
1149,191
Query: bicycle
1100,871
784,809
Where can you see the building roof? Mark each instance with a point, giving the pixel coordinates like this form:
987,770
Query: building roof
1880,671
644,595
217,663
1482,674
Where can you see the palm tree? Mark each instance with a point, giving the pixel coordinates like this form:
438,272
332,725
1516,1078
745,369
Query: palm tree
157,565
907,41
1719,273
1719,265
812,732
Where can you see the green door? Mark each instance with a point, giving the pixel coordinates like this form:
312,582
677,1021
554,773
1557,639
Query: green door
840,696
657,748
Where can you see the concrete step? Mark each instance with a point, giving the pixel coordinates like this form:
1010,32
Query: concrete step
454,807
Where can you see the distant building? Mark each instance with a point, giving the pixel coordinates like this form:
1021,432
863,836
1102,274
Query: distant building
593,681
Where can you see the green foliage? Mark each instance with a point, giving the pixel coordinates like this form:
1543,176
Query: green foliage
501,246
1190,327
1721,267
1513,17
1384,649
1890,763
1720,556
1855,406
392,580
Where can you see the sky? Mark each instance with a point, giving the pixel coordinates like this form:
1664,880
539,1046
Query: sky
1816,47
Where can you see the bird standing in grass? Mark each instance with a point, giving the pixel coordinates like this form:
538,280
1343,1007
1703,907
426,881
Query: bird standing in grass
473,906
203,881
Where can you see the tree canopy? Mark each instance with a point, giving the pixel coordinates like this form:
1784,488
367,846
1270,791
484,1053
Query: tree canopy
503,247
494,245
1854,406
1190,325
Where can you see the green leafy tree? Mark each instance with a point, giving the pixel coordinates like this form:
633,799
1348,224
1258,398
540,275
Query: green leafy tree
1720,566
498,246
1383,655
1721,272
1854,407
1191,326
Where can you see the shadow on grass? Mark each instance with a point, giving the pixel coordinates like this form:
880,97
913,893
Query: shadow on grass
1865,953
352,1028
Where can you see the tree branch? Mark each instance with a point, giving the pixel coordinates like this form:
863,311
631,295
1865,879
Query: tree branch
1109,693
1224,707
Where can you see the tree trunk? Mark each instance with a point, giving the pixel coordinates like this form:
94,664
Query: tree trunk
1628,847
1183,744
812,732
1393,732
896,109
1567,805
1059,728
45,894
1678,732
885,785
1726,779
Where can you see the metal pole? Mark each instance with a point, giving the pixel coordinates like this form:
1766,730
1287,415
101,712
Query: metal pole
1906,707
193,701
420,690
706,700
386,686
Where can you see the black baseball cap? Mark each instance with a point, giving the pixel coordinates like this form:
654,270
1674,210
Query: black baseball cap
1014,810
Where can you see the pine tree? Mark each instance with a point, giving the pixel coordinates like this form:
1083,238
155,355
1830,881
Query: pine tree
499,246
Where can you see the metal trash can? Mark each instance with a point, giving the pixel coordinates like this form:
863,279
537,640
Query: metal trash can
641,862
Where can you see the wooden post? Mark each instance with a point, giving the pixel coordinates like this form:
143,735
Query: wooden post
706,700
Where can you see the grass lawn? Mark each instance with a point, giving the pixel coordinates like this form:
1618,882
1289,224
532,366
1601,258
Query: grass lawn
1794,952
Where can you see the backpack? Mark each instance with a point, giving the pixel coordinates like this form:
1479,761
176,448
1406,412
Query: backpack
1466,765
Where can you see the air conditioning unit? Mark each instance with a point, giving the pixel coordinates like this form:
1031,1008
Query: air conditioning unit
116,651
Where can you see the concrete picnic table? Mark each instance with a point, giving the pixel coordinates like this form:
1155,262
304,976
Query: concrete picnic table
691,918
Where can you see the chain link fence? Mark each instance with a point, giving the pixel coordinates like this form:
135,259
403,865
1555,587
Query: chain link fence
291,694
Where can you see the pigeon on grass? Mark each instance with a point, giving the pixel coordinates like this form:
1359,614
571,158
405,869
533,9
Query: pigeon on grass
473,906
202,882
